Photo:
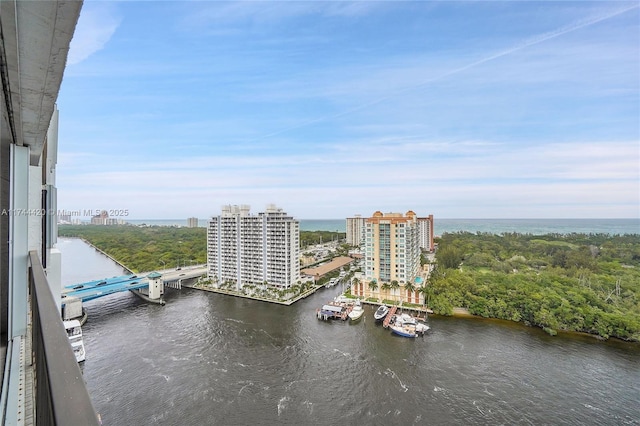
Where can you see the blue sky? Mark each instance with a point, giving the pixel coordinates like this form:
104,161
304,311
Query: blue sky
481,109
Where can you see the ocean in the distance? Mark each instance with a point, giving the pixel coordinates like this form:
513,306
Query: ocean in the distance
495,226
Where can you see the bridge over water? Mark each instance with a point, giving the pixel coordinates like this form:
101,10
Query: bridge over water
139,283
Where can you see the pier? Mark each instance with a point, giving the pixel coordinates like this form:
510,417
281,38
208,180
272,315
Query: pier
390,315
334,310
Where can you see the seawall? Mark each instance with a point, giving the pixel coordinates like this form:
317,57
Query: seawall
107,255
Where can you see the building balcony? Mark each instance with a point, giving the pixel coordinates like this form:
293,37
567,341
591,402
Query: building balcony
59,395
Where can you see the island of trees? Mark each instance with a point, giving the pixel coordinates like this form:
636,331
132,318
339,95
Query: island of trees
575,282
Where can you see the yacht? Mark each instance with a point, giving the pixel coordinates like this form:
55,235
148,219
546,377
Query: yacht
356,312
381,312
407,326
74,332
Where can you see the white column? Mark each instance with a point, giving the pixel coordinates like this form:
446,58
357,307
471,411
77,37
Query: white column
54,275
18,240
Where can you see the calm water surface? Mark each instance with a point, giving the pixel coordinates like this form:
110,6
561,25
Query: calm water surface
206,359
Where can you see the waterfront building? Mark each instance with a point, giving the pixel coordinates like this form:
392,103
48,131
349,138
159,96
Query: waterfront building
33,340
248,249
192,222
64,219
103,219
391,258
425,227
355,230
100,219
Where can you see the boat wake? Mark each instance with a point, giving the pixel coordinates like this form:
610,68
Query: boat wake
346,354
282,404
390,372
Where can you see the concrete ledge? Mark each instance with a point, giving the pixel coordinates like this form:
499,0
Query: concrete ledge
245,296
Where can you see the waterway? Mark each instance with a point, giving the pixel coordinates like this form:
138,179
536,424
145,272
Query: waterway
206,359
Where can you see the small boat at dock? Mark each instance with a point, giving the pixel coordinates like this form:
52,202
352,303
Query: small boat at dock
356,312
407,326
381,312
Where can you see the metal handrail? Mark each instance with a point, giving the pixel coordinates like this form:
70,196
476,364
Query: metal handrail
61,397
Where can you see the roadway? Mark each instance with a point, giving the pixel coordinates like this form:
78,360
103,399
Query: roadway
98,288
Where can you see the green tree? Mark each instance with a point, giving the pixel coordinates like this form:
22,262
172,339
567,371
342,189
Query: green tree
449,257
409,287
394,285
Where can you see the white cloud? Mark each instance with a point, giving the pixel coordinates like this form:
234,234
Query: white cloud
553,180
97,23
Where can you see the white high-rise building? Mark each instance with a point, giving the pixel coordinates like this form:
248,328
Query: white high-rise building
355,230
425,226
243,248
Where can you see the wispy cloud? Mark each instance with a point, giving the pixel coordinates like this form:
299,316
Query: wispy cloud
329,109
97,24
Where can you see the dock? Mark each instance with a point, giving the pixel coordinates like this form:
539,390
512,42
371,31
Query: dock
390,315
334,310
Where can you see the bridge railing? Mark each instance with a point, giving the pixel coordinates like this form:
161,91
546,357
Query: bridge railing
61,397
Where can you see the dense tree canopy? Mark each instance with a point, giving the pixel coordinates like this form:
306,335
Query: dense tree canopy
309,238
145,249
588,283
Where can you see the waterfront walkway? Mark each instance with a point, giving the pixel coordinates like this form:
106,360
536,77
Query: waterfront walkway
212,289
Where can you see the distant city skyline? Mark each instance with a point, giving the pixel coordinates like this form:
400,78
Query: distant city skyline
331,109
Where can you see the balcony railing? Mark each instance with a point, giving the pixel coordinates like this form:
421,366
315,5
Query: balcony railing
61,397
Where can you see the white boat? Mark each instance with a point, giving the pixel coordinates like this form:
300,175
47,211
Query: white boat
74,332
356,312
407,326
381,312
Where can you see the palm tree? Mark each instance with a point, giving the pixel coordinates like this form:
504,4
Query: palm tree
410,287
373,286
385,286
425,290
394,285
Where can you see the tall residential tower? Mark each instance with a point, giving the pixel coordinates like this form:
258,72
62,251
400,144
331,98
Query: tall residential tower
243,248
425,225
392,268
355,230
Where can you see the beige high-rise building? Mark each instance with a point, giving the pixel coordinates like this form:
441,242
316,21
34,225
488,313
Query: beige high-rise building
192,222
355,230
392,258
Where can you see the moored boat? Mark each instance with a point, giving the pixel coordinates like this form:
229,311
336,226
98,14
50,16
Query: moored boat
407,326
356,312
74,332
381,312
